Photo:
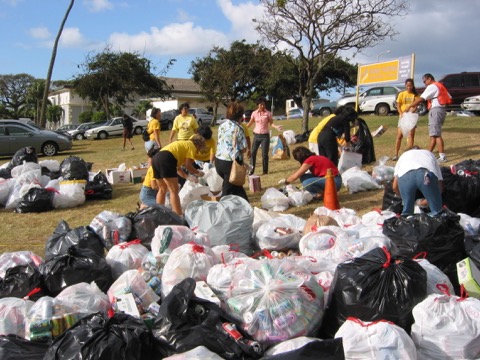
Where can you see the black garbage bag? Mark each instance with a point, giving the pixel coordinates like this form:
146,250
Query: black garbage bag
76,266
329,349
461,193
99,188
51,174
145,221
26,154
362,142
36,200
74,168
185,322
299,138
440,237
20,280
472,247
16,348
63,238
374,287
95,337
469,166
6,173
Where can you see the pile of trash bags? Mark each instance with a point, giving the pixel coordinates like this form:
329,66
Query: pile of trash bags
27,185
230,281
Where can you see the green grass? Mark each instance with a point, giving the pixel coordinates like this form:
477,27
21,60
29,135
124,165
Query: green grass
30,231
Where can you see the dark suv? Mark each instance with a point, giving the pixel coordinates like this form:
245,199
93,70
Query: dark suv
460,86
166,121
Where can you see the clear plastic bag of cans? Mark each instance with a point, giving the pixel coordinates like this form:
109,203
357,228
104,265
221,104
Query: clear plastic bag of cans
125,256
132,282
187,261
11,259
279,233
13,316
111,227
169,237
276,300
84,298
49,318
219,277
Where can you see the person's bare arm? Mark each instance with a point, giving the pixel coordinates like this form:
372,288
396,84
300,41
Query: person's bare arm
395,186
172,135
296,175
156,133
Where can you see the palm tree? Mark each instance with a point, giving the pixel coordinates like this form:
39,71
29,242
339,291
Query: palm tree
50,68
34,99
54,114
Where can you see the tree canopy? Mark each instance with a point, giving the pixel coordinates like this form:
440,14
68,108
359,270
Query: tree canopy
118,77
14,90
317,32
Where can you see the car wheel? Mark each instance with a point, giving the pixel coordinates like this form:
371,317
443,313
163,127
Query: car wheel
382,110
138,130
102,135
79,137
169,125
422,109
325,112
49,149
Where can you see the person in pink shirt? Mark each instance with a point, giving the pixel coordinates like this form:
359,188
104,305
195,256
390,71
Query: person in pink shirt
263,119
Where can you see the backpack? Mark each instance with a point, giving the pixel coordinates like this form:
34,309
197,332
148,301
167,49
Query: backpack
145,135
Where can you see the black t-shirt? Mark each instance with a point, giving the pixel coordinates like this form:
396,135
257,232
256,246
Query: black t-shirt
127,123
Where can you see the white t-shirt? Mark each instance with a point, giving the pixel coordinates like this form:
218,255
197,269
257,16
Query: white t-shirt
431,92
416,159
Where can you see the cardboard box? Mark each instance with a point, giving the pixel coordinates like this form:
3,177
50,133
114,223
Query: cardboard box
469,277
118,177
138,175
210,198
203,291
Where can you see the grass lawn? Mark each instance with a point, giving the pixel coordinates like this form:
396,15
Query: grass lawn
30,231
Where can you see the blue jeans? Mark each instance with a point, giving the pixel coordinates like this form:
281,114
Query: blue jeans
150,144
148,196
315,185
414,180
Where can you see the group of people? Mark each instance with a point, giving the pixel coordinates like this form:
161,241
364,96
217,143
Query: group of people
414,170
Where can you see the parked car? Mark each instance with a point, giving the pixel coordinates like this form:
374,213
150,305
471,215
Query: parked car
247,115
166,121
291,114
114,127
79,132
324,108
202,115
472,103
68,127
15,135
221,118
383,99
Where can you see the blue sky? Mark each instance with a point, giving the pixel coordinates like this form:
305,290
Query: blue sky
441,33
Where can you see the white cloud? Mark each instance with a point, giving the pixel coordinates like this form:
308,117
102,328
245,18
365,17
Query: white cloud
183,16
40,32
98,5
172,40
73,38
241,17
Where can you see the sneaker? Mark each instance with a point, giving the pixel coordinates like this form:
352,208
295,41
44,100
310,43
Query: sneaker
442,159
395,158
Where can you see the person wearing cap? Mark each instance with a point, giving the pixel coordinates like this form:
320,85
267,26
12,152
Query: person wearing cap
167,166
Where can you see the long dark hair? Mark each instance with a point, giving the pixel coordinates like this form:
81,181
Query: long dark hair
301,154
414,90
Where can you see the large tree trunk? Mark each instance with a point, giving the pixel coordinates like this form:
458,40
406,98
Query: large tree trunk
43,113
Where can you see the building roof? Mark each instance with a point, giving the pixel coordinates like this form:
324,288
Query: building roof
182,85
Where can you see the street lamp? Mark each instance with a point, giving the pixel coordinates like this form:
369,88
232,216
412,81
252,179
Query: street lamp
383,53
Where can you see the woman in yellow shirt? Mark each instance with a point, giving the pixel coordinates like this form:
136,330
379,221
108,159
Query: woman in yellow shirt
167,166
185,124
404,99
153,129
148,192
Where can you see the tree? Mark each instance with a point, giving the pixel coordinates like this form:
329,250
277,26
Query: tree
140,111
318,31
13,94
54,114
52,63
34,99
118,77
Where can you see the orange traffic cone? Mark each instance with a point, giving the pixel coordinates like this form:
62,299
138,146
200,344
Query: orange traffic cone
330,198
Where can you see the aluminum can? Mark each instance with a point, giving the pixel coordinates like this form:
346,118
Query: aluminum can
70,320
58,325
